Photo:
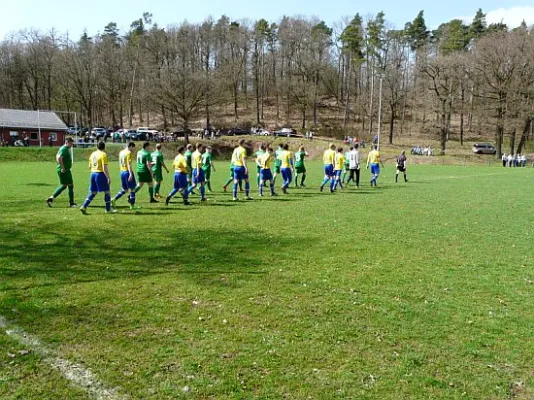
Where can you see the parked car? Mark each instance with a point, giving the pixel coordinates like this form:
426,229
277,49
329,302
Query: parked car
99,133
149,132
238,131
287,132
484,148
263,132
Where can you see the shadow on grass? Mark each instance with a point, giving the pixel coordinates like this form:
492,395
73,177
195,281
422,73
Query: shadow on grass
40,184
48,255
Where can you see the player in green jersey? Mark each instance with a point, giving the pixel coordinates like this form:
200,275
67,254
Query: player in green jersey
64,164
300,168
277,161
144,171
346,167
208,166
259,153
158,164
188,154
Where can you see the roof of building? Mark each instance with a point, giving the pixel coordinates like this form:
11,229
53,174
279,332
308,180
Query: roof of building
31,120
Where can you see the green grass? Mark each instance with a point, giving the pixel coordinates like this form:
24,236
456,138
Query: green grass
415,291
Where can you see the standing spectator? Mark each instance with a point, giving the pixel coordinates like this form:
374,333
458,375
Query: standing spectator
401,167
523,160
510,160
50,141
354,165
504,159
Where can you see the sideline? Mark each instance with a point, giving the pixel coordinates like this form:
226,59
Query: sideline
78,375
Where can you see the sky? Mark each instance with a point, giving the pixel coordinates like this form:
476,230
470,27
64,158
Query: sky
66,16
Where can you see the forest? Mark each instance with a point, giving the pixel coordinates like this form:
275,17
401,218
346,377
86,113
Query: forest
446,83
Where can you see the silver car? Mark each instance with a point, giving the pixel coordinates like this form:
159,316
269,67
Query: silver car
484,148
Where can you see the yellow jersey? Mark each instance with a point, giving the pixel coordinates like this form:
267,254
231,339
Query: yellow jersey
285,158
196,159
125,159
180,164
97,161
339,162
238,157
265,160
373,157
329,157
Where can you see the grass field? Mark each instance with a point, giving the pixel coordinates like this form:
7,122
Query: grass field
410,291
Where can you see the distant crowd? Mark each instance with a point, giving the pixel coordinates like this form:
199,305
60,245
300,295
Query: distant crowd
519,160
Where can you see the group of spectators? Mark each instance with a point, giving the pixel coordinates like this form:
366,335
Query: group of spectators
519,160
349,141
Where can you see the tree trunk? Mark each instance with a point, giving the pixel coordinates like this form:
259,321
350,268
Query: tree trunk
392,124
524,136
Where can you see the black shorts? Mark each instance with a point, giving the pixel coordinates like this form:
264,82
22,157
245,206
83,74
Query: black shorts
401,169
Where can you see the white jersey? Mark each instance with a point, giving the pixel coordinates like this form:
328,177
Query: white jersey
354,159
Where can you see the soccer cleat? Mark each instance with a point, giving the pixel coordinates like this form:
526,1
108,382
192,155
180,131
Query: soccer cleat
49,201
134,207
73,205
321,189
302,185
224,189
112,211
83,211
187,203
157,196
274,194
249,198
114,203
235,199
261,195
204,199
153,201
167,199
284,191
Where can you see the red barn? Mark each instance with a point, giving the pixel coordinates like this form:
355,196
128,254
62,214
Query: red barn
31,125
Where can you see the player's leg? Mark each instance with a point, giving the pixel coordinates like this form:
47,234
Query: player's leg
157,187
397,176
237,179
296,178
357,177
326,177
303,179
93,190
351,176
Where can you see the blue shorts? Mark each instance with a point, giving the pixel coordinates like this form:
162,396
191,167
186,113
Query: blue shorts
239,173
329,170
180,181
286,174
99,182
125,183
266,175
337,173
198,176
375,169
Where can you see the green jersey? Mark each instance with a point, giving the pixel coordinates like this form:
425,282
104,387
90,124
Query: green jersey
188,159
157,161
299,158
259,153
143,157
64,153
277,161
207,158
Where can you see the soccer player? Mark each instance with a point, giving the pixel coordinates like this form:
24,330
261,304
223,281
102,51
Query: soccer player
128,183
346,167
100,180
300,168
266,175
188,153
277,162
207,166
373,160
198,172
354,165
286,167
259,153
144,171
64,164
401,166
339,164
158,164
328,160
180,178
239,158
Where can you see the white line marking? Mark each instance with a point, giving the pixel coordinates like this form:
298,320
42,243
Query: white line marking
75,373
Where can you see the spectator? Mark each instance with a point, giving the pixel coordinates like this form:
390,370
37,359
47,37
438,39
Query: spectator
510,160
504,159
523,160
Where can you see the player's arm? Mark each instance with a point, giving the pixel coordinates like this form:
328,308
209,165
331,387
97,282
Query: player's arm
148,164
59,160
245,163
164,165
106,172
130,171
368,161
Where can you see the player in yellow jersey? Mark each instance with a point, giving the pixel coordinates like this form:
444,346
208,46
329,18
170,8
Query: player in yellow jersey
100,180
264,163
128,182
286,167
373,160
328,161
239,160
339,164
198,173
181,171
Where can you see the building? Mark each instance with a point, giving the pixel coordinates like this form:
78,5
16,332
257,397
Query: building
20,124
